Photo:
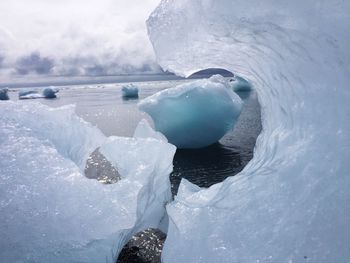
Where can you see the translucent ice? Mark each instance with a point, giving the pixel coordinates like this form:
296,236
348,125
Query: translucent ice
240,84
50,212
195,114
291,202
3,94
130,91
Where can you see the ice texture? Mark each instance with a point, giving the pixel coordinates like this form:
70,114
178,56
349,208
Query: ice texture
49,211
195,114
48,93
144,130
291,202
3,94
130,91
240,84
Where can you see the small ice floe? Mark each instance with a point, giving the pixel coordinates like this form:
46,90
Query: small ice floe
47,93
130,91
3,94
50,93
195,114
240,84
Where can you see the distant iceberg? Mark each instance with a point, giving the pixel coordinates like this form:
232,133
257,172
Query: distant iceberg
4,94
50,212
195,114
48,93
130,91
240,84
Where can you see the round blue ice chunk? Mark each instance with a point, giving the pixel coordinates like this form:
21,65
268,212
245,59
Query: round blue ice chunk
240,84
195,114
49,93
130,91
3,94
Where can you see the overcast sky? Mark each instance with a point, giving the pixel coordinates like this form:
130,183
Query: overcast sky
75,37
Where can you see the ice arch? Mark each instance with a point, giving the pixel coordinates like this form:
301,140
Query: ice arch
291,202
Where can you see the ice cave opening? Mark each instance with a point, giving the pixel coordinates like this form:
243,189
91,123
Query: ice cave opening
204,167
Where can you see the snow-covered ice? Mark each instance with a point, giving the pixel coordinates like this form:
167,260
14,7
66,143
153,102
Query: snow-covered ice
4,94
130,91
195,114
49,211
48,93
291,202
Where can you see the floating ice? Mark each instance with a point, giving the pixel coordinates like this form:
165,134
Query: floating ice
195,114
291,202
48,93
240,84
50,212
130,91
3,94
29,94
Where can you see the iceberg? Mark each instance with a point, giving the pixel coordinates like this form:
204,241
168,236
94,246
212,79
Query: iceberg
239,84
291,202
48,93
3,94
130,91
49,211
195,114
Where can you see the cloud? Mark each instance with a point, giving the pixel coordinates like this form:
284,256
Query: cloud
62,37
34,63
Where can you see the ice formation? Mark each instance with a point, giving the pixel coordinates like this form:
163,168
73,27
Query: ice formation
291,202
50,212
48,93
195,114
130,91
240,84
3,94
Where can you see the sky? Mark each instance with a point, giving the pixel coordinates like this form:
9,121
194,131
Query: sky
75,38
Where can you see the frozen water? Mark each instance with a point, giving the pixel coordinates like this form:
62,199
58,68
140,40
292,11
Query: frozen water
144,130
49,211
240,84
130,91
195,114
3,94
48,93
291,202
29,94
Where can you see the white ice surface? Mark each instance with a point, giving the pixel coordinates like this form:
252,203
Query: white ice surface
48,93
291,202
49,211
144,130
194,114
